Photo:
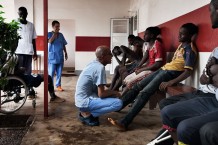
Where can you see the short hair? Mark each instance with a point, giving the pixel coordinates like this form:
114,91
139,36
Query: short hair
55,22
138,40
214,3
23,9
131,36
192,28
154,30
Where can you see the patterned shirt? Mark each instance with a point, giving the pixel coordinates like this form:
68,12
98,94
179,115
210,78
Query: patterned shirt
184,58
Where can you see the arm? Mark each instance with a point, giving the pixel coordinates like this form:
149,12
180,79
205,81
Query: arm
155,66
128,53
120,62
34,49
204,79
180,78
53,37
144,59
102,93
65,52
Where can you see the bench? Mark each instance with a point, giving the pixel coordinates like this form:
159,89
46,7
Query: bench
171,91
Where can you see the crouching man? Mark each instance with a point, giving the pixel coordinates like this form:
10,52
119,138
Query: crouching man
91,97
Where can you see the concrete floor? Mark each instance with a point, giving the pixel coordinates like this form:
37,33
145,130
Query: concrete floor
63,128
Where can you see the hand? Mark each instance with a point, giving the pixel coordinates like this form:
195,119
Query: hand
34,57
55,33
57,30
163,86
117,94
66,56
137,71
204,79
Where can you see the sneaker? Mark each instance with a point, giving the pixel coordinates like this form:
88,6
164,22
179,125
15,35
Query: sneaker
57,100
31,94
90,121
59,88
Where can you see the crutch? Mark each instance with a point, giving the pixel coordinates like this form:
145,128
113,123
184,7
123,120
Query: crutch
159,139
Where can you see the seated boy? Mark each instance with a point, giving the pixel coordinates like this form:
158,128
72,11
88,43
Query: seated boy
152,59
185,122
130,60
91,97
206,90
171,73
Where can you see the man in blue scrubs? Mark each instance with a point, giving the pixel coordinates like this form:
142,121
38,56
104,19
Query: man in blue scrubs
56,47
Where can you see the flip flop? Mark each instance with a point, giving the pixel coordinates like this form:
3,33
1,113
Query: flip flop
117,124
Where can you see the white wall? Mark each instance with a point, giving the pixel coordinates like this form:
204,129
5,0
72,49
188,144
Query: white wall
155,12
29,6
8,8
92,18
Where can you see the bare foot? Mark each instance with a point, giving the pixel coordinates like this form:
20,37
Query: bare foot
117,124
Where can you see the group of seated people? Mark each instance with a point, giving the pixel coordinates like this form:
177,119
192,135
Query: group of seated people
189,118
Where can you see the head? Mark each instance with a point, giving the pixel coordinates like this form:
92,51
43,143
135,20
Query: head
22,12
131,39
117,51
187,31
214,13
138,42
103,54
55,26
151,33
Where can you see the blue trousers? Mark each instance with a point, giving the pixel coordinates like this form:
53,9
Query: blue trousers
142,91
187,117
100,106
56,68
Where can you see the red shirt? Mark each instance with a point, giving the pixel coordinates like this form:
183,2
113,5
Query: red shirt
155,53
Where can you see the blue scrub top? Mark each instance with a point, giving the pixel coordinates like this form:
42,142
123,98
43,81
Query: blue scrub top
55,49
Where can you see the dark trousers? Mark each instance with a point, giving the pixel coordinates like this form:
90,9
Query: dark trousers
183,97
26,62
142,91
176,99
187,117
35,81
209,133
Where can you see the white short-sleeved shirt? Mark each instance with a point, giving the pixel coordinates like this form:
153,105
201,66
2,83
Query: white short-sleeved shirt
210,88
87,85
27,33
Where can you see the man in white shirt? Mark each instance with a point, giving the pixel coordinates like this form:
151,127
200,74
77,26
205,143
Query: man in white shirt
26,49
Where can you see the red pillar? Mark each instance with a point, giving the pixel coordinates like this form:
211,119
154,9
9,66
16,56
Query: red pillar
45,8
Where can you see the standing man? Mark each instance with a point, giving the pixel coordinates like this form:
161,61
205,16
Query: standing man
56,47
26,49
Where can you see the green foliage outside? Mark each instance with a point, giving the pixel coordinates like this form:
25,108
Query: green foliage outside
8,43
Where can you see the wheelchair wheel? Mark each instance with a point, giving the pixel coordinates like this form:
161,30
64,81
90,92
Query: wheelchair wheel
13,95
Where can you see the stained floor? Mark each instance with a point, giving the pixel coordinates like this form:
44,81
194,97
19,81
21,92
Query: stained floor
63,128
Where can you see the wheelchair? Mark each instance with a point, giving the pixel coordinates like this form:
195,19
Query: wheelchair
13,95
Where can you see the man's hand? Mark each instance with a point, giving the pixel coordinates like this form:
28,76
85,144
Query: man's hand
66,56
117,94
163,86
34,56
137,71
204,79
